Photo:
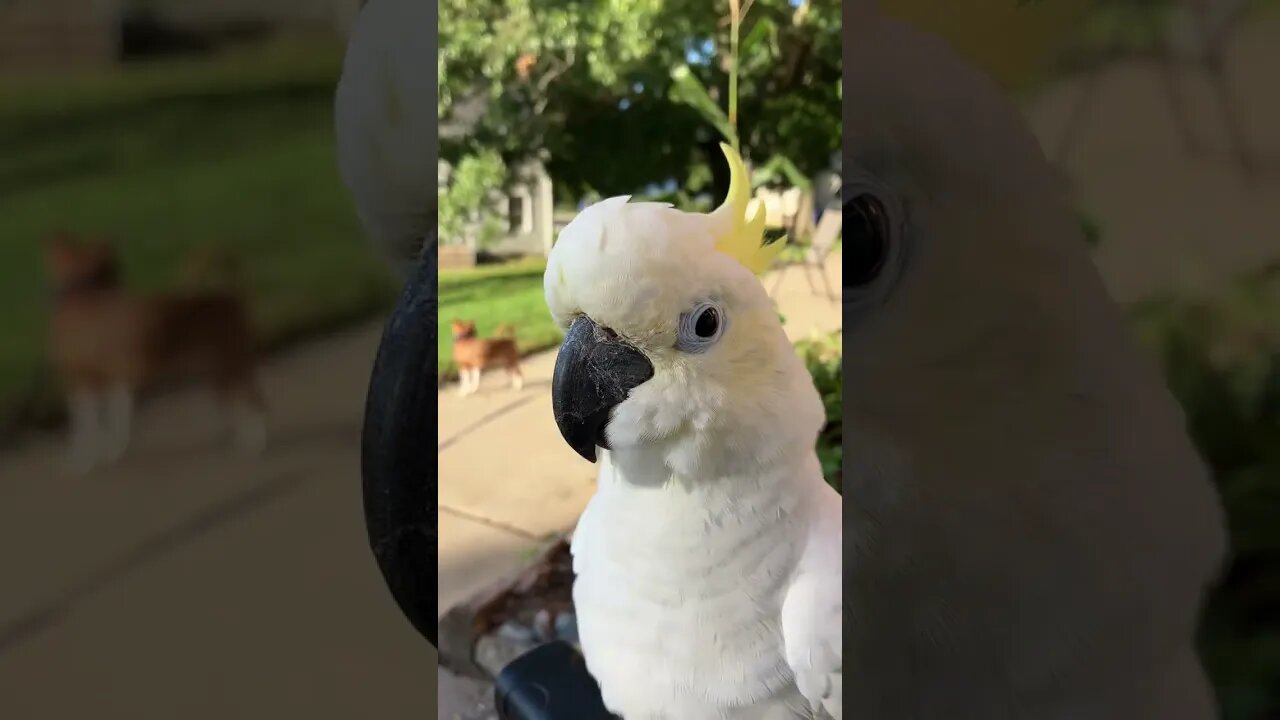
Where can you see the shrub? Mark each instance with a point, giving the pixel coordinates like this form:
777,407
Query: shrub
465,200
823,355
1221,358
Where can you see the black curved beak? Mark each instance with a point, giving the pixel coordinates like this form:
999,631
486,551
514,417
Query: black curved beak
595,371
398,463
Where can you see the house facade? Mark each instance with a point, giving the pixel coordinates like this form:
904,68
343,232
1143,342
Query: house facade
526,210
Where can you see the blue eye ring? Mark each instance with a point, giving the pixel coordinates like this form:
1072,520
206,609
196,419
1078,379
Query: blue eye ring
701,327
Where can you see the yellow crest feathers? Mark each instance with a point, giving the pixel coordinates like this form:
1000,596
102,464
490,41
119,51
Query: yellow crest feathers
739,237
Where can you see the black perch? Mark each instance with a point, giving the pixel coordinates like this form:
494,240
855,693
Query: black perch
397,462
550,682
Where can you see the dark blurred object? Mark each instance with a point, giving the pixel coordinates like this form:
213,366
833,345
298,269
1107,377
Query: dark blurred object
397,461
550,682
145,34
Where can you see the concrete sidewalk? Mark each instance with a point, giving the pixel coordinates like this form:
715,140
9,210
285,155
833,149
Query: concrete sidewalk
508,481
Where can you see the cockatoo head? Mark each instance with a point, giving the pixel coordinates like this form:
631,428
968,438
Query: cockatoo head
967,284
992,389
673,349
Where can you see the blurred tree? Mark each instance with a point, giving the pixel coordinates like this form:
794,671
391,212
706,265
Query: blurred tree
466,194
587,81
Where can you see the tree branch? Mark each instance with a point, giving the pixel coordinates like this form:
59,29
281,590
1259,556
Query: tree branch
559,67
794,66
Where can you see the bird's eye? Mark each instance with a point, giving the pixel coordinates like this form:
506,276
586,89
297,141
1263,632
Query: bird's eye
866,239
700,328
707,324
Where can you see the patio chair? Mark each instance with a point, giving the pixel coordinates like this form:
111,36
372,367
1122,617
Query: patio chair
818,248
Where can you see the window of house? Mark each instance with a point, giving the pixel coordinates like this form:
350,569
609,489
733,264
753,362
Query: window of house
515,213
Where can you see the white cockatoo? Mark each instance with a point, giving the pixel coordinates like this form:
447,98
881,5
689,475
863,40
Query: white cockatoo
708,561
385,121
1031,532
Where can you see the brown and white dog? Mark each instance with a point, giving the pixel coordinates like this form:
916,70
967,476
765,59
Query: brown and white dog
473,354
108,343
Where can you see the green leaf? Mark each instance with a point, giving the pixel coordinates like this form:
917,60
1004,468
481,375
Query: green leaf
687,89
779,165
765,31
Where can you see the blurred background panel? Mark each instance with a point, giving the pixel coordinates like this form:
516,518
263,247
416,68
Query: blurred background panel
190,579
1164,124
205,138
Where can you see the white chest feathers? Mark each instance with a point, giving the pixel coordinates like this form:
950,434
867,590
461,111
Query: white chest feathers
679,594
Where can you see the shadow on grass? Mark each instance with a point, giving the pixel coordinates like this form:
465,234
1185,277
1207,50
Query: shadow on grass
57,125
464,288
494,415
153,132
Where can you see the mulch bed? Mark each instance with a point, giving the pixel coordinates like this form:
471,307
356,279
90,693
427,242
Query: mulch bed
531,598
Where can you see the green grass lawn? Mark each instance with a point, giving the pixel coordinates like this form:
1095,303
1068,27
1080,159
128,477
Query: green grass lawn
233,152
512,294
509,293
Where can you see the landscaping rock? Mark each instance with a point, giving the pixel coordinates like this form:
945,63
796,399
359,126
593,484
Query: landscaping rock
542,626
534,605
496,650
